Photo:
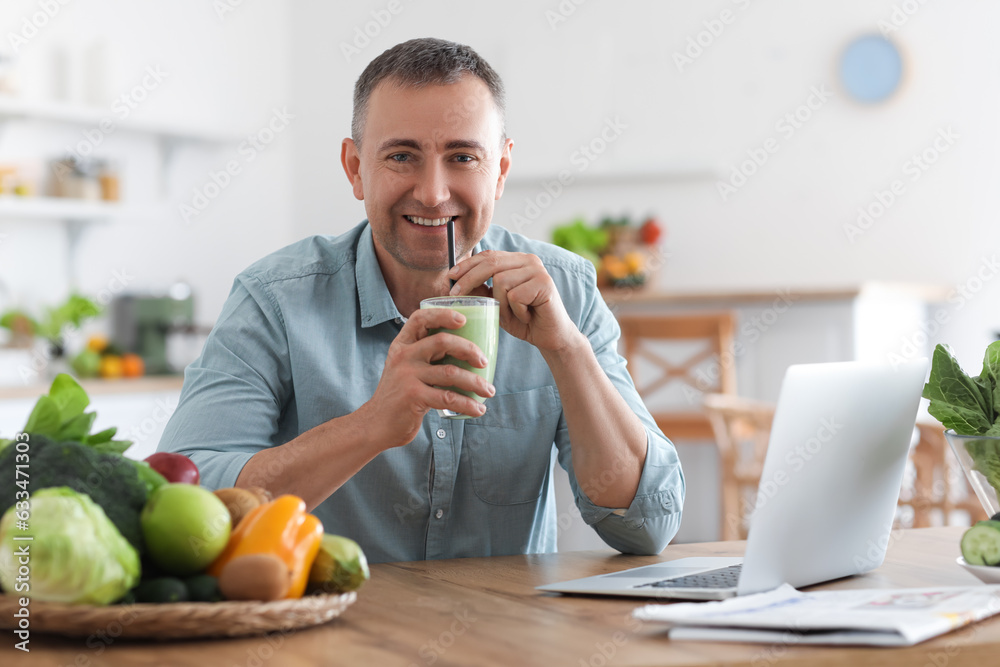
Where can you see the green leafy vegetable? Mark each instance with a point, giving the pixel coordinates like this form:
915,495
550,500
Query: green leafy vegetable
112,481
74,312
964,404
149,477
969,406
579,238
60,415
77,554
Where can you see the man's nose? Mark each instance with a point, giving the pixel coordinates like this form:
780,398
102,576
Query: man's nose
431,188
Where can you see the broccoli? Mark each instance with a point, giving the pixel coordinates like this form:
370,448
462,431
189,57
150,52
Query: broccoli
110,480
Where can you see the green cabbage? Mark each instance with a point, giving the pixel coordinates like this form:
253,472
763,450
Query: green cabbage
76,555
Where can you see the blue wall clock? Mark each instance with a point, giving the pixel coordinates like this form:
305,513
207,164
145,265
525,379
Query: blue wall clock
871,68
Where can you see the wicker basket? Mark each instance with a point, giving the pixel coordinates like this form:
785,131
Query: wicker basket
179,620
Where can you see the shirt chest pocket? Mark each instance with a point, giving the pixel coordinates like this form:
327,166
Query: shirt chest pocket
509,448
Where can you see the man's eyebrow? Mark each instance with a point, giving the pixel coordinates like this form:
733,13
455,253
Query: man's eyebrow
470,144
402,143
465,143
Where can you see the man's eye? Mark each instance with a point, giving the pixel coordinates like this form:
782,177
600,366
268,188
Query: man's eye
464,158
399,157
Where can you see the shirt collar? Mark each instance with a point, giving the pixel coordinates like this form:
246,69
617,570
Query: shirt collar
376,303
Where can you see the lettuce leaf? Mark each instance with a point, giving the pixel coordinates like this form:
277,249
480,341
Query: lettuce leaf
969,406
59,415
961,403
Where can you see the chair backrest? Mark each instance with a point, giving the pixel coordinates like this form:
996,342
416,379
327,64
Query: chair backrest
939,486
742,430
715,331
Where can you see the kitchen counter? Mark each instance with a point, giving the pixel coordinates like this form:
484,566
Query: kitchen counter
145,385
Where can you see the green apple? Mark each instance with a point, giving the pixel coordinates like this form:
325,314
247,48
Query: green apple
185,527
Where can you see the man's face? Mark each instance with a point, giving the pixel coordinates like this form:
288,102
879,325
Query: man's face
428,154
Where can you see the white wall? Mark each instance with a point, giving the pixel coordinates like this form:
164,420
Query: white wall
227,72
785,227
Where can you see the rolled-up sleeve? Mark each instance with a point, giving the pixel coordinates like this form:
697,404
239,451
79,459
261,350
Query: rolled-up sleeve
234,392
654,515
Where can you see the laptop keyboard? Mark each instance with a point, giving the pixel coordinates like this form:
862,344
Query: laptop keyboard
724,577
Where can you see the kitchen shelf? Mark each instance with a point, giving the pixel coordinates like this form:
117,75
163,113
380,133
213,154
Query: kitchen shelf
17,109
145,385
13,207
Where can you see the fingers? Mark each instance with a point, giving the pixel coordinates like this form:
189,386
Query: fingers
446,376
443,399
471,273
442,344
422,321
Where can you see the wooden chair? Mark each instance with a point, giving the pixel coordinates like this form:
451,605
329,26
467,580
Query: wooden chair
742,429
936,474
715,330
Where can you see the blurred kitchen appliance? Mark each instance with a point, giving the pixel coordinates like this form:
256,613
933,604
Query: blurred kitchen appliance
142,323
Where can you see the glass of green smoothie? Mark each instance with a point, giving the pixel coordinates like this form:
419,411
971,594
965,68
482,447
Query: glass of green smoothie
482,327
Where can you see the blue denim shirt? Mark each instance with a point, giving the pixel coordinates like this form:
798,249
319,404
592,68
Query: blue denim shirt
303,338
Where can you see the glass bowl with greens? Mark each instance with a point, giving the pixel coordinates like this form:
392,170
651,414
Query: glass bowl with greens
969,408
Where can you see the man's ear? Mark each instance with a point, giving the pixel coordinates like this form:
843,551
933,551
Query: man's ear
504,167
351,160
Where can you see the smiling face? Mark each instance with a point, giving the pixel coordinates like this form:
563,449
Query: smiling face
428,154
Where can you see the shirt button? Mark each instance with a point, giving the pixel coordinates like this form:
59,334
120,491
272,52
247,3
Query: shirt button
441,433
439,514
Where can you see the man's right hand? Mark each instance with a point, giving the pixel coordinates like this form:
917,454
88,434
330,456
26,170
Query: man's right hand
409,384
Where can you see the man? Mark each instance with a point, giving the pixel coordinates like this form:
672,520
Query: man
317,379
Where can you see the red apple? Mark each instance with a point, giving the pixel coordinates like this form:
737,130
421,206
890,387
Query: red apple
176,468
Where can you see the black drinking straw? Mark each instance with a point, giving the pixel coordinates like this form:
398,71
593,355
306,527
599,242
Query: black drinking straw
451,245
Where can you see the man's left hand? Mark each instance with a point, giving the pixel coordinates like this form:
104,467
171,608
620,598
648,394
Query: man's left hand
530,306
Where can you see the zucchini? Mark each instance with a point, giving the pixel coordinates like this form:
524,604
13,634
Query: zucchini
161,590
981,544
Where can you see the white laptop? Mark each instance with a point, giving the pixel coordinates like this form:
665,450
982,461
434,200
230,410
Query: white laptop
827,494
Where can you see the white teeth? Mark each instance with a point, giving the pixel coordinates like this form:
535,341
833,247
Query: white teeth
427,222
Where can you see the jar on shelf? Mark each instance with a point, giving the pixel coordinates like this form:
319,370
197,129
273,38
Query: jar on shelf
110,185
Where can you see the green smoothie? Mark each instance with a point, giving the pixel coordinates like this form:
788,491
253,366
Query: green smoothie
482,327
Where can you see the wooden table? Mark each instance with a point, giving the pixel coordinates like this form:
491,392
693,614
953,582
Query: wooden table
484,611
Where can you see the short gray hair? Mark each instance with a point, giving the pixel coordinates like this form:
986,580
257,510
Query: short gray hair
420,62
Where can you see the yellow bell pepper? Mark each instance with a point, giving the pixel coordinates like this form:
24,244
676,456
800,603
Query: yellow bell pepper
283,528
